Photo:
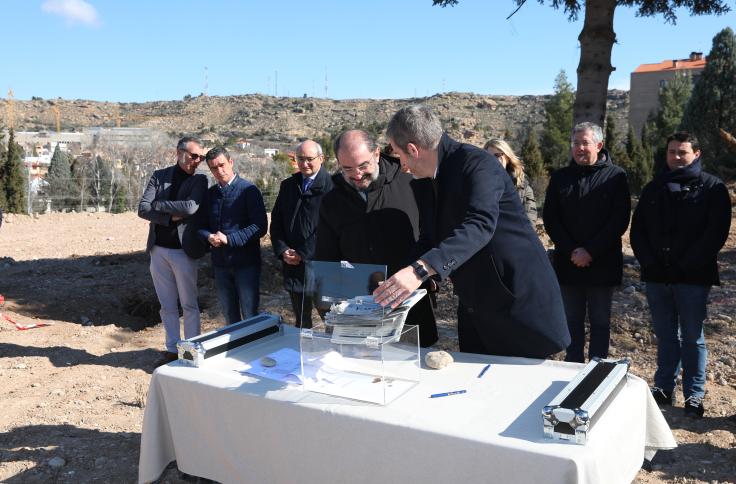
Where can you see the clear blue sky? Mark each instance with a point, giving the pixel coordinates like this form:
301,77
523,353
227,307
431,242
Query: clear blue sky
139,50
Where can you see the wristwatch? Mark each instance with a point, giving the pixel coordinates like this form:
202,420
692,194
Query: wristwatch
420,271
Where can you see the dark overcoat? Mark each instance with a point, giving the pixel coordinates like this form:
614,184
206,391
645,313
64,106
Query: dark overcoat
676,235
384,229
294,219
486,245
589,207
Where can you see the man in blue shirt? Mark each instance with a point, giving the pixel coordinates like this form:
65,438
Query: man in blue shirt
236,220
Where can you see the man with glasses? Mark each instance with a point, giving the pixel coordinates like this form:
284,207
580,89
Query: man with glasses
171,203
372,217
586,212
294,224
235,222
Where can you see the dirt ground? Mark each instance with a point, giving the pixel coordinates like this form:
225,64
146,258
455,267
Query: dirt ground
73,393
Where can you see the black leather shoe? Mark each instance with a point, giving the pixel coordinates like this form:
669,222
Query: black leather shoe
166,358
663,397
694,406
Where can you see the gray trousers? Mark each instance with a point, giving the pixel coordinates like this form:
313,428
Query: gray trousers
175,278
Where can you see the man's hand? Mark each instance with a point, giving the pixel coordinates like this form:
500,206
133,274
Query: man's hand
176,218
580,257
221,237
291,257
213,240
398,287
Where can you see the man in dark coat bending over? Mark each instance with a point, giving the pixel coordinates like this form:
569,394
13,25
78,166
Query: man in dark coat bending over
509,299
372,216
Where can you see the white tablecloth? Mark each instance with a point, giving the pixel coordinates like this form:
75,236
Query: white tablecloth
228,427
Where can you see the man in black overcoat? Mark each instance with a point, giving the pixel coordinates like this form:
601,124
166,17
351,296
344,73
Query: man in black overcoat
294,224
372,217
586,212
509,299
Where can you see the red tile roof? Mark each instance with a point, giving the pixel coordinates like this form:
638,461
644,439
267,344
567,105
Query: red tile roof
669,65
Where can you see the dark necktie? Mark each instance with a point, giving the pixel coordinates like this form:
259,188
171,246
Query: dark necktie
306,184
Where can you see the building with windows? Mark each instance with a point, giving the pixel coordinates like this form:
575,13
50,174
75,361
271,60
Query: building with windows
647,80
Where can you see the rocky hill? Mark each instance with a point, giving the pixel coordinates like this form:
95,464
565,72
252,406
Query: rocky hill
283,120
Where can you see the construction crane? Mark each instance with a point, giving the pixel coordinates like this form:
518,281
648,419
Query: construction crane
9,108
57,117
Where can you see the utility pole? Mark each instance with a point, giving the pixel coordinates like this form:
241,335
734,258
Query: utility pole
57,117
327,92
9,108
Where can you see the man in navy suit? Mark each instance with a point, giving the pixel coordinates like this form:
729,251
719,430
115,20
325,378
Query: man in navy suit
171,203
294,221
509,298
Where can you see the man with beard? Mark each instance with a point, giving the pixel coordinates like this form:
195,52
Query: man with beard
171,202
679,226
372,217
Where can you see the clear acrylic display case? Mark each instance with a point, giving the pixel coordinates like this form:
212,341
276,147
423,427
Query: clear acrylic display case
365,353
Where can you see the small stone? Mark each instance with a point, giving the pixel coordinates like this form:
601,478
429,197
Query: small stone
20,366
438,359
34,385
629,290
268,362
57,462
100,461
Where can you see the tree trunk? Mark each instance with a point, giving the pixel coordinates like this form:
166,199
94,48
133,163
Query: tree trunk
596,44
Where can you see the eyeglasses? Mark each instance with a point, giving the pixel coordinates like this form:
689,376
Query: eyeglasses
306,159
194,156
349,170
583,144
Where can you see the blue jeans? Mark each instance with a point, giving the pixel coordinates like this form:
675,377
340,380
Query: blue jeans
678,312
597,301
237,290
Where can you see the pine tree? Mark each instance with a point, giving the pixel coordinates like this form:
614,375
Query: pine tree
119,204
3,202
640,171
615,147
532,156
59,179
712,105
14,176
558,124
672,101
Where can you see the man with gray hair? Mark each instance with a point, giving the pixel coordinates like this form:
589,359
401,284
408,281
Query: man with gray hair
509,299
294,220
586,212
171,202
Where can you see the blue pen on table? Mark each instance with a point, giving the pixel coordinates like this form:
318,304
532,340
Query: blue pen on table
447,394
484,370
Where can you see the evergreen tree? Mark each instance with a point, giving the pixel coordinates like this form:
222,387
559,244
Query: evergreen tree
119,204
672,101
640,171
531,155
614,146
712,105
558,124
3,202
59,179
14,176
